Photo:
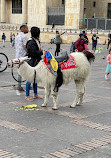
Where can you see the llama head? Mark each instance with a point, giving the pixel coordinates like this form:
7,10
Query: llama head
17,62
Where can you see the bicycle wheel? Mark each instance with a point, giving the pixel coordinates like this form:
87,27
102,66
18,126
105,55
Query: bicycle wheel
3,62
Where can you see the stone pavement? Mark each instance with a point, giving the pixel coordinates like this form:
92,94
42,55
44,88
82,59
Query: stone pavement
81,132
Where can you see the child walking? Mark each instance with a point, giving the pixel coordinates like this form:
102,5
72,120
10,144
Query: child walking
108,68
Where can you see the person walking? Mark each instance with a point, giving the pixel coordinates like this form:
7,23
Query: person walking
20,45
13,40
108,68
58,42
94,42
34,52
3,39
109,40
80,43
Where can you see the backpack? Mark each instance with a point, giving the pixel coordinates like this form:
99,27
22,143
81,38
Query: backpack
72,48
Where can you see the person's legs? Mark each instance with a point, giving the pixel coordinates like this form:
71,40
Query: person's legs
35,88
92,47
108,44
106,76
58,49
28,84
108,71
19,83
36,96
3,43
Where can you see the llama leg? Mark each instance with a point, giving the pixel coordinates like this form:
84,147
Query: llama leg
55,100
47,94
79,93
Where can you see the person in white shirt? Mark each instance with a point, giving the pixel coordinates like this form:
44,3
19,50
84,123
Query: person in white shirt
20,45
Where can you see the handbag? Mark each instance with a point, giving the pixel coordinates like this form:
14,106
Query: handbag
86,47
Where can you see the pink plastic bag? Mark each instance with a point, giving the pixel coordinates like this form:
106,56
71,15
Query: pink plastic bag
86,47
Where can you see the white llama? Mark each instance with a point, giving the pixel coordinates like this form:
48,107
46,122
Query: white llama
43,75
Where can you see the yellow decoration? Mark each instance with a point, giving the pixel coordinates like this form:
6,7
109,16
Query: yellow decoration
28,107
54,63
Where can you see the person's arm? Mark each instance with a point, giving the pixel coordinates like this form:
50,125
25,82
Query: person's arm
25,39
25,48
62,33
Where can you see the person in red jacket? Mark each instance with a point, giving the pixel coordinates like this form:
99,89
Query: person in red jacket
79,46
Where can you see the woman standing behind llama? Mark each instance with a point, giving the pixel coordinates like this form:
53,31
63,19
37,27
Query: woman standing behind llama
80,43
108,68
34,52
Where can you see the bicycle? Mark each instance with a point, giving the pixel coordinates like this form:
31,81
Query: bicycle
3,62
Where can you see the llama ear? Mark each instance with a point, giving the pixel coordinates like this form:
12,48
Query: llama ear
26,58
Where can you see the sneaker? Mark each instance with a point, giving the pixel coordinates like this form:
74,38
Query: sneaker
106,77
20,89
18,92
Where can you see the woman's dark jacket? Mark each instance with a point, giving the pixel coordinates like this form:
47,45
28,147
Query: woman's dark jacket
33,52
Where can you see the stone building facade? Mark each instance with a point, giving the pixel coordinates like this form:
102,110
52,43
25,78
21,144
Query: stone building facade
35,12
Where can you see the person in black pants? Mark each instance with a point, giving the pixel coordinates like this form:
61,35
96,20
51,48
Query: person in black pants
94,42
58,42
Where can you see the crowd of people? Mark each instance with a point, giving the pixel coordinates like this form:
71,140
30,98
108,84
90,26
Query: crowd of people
12,39
32,47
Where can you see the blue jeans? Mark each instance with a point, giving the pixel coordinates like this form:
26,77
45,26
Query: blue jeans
28,84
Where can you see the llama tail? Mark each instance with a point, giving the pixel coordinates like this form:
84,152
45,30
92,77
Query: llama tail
89,55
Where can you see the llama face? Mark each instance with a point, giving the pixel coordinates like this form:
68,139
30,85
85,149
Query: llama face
17,62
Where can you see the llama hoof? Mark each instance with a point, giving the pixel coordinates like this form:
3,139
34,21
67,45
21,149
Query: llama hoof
78,105
54,108
72,106
43,105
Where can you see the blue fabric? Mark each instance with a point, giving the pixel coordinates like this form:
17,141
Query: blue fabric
108,68
48,55
28,84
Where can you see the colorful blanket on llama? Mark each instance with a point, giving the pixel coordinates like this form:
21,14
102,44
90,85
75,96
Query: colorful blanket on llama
52,64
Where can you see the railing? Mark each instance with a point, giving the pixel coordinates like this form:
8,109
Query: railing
15,27
9,26
97,23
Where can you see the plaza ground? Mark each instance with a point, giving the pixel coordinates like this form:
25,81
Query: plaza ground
81,132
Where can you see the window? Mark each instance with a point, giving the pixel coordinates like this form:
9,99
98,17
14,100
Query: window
63,1
17,6
109,11
94,4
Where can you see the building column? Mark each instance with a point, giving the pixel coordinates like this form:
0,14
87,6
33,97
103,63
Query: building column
24,11
3,11
73,13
